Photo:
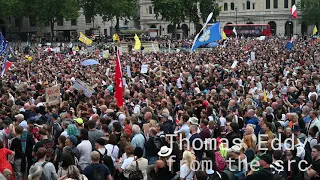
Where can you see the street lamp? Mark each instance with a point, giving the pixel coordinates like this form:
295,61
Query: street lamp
236,15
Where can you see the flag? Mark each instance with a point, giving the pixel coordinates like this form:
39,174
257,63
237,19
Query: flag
289,45
265,99
6,64
210,35
84,39
137,44
315,30
293,11
116,38
118,81
224,36
3,44
204,26
235,31
11,57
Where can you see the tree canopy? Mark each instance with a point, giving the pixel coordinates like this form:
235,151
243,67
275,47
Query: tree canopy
309,11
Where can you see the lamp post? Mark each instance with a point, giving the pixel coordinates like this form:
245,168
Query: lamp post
236,15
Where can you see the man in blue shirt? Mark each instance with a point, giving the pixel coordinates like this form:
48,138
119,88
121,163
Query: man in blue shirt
96,170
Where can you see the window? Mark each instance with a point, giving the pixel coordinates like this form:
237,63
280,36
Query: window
232,6
248,4
73,22
293,2
88,19
105,31
286,4
150,9
275,4
60,21
267,4
32,22
253,5
17,22
225,7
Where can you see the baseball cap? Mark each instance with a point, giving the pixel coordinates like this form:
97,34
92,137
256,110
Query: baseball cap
266,158
79,120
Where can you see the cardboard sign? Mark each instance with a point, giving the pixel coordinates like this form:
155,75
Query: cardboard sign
53,95
133,59
87,90
144,69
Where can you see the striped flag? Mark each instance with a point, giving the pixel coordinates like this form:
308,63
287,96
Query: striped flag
293,11
84,39
6,64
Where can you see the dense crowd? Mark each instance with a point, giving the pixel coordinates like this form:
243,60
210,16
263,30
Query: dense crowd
240,111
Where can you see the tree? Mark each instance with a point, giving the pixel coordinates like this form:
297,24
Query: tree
50,11
177,11
208,6
119,9
309,11
90,8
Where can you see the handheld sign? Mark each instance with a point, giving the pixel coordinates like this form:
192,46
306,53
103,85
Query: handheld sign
53,95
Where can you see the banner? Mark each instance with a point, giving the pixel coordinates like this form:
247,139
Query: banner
53,95
144,69
87,90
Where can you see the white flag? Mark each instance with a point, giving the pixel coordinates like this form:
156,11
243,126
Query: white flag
154,48
235,31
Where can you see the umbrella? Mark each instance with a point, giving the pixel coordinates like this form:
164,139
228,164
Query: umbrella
213,44
89,62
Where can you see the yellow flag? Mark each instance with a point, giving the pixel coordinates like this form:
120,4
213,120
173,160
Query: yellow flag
315,30
116,38
84,39
137,45
224,36
265,99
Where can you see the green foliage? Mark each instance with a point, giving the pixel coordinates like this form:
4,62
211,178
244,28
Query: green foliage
11,8
208,6
309,11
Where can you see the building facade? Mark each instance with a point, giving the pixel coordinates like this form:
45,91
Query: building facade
63,29
276,13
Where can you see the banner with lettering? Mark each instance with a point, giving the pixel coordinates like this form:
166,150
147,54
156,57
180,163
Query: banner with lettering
87,90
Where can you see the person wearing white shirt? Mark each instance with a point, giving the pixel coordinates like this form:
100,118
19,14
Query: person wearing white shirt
112,148
184,127
85,149
314,120
128,160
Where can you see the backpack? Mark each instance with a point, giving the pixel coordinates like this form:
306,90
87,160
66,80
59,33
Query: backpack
158,141
43,176
107,160
98,173
278,175
137,174
220,161
235,175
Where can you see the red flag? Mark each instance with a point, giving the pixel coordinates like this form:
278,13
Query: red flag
118,80
293,11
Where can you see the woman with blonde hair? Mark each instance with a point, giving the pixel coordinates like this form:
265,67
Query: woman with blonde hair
186,170
248,147
35,173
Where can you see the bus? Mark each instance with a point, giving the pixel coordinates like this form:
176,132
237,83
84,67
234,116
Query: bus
248,29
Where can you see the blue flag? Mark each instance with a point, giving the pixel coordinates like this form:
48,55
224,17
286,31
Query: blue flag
289,45
3,44
210,35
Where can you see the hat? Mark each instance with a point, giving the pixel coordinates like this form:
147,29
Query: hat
266,158
73,139
79,121
193,121
235,149
56,116
163,115
138,151
19,116
164,151
101,141
296,128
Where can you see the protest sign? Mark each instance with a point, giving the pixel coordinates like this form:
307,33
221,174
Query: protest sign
253,56
53,95
144,69
129,71
87,90
234,64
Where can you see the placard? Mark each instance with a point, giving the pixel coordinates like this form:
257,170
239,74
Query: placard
144,69
53,95
87,90
234,64
253,56
129,71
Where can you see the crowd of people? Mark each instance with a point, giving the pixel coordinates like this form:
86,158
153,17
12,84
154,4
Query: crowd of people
235,112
